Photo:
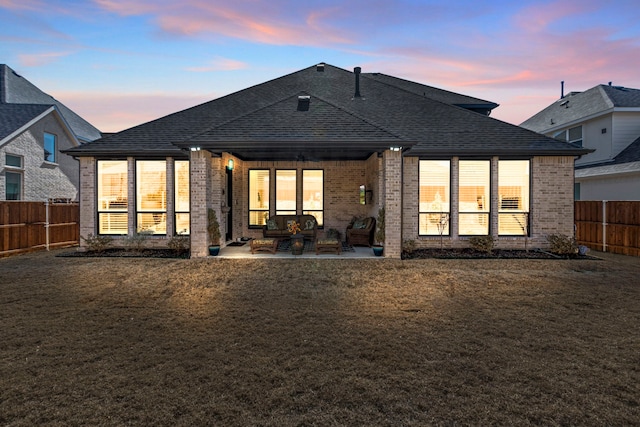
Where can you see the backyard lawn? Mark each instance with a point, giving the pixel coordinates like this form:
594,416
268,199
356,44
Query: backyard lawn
268,342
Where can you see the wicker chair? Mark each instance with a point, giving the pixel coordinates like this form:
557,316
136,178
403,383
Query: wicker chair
360,231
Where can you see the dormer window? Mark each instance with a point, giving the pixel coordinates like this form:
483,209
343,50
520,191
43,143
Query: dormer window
573,135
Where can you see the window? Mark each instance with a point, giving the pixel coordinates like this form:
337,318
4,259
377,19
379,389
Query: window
435,193
112,196
513,197
313,194
286,192
258,197
49,147
573,135
151,196
474,200
13,161
182,197
13,188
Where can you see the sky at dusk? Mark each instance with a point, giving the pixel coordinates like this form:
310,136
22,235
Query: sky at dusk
123,63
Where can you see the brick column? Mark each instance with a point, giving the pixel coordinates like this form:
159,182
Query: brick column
170,188
132,228
455,199
87,198
199,184
392,161
494,205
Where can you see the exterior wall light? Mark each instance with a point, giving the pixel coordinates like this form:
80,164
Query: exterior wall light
194,148
230,164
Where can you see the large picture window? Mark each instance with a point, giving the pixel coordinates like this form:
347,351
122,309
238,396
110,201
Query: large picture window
112,196
182,197
286,192
258,197
435,193
151,196
313,194
513,197
474,201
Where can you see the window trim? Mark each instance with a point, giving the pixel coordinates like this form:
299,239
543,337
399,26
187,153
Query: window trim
426,212
309,211
526,209
54,153
249,210
488,213
138,211
99,211
175,197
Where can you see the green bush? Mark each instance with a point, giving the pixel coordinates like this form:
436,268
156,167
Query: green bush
562,245
482,243
97,243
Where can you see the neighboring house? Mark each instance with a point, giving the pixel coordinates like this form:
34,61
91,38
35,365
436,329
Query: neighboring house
34,128
307,142
606,119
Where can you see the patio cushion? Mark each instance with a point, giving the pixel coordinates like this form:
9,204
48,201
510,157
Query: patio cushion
272,224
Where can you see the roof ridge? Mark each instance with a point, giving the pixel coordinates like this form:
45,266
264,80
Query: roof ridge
606,96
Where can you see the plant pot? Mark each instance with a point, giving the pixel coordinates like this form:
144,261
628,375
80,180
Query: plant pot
378,250
297,244
214,250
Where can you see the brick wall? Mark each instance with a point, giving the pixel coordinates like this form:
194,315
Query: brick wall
551,204
42,180
87,198
392,161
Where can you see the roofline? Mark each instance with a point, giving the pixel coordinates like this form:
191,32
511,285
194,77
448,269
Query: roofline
500,153
51,109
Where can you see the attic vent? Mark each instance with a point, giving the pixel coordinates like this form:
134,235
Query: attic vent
320,67
303,102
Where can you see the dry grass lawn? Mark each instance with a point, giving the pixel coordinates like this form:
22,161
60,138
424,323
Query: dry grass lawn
97,341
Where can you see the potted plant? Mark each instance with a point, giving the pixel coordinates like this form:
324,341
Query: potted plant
213,229
379,237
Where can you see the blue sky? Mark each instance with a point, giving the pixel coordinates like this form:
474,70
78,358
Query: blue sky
122,63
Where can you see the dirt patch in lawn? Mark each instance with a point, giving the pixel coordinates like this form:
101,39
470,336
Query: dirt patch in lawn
275,342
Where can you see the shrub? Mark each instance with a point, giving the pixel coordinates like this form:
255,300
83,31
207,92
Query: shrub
138,241
408,246
97,243
562,244
482,243
180,244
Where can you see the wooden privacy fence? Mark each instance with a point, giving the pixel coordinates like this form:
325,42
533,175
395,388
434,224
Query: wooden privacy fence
27,226
609,226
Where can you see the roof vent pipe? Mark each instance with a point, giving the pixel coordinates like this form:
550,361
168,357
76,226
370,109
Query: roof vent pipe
562,89
610,83
357,71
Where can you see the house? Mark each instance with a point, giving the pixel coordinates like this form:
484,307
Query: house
34,128
311,142
606,119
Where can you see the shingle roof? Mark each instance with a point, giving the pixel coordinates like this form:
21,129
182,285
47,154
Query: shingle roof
434,93
14,116
578,105
15,89
265,115
628,155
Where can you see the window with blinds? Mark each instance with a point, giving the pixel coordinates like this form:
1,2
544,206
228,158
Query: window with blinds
474,197
151,196
313,194
182,197
286,192
112,196
513,197
435,196
258,197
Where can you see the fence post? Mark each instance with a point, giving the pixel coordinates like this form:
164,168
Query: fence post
604,226
46,222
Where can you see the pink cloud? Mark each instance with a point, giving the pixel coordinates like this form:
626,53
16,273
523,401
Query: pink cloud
21,4
219,64
115,112
275,23
39,59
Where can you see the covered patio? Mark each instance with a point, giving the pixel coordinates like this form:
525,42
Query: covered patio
244,251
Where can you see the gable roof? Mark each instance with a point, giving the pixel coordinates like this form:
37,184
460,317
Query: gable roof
15,89
251,122
579,105
16,118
